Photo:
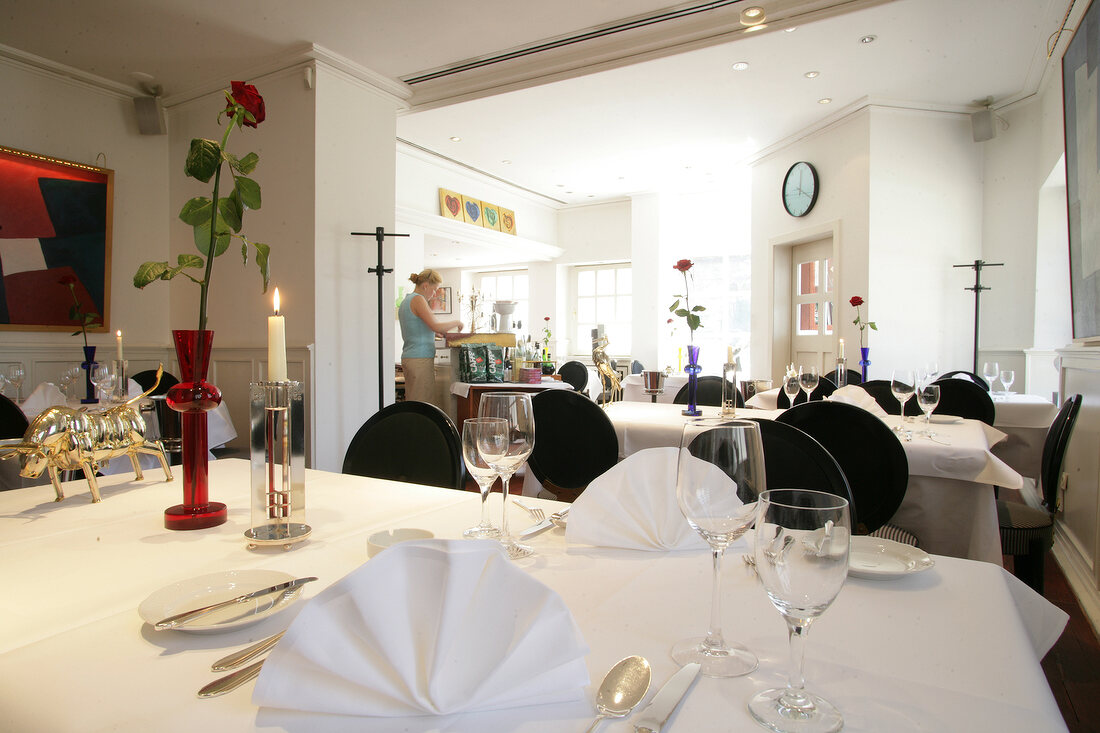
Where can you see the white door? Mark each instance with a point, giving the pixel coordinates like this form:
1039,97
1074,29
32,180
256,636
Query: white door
813,301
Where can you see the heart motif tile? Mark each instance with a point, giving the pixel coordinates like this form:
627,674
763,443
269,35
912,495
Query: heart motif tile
509,222
472,210
452,205
491,217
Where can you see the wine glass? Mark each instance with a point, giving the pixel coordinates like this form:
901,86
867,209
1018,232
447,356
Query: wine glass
719,474
928,397
490,430
515,407
1008,376
802,542
932,369
902,386
103,379
990,370
15,378
808,380
790,387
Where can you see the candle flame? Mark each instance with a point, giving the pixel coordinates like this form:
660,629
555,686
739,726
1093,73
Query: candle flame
276,301
118,334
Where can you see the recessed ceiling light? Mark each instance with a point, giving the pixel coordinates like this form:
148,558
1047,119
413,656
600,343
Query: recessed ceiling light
560,185
812,74
792,29
824,100
741,66
868,39
456,139
752,28
591,195
506,162
753,15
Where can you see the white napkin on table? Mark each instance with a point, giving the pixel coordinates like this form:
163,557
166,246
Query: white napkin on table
428,628
633,506
853,394
44,395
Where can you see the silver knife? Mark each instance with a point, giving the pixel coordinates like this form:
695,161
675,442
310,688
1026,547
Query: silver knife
657,713
245,655
535,529
231,682
180,619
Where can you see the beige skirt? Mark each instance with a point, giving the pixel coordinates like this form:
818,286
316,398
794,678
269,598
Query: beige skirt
419,380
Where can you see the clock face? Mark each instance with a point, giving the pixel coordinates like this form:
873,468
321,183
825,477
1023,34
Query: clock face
800,189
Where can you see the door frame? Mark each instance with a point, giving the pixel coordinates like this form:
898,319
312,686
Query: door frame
780,317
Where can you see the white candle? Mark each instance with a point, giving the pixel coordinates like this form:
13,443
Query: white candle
729,354
842,348
118,343
276,345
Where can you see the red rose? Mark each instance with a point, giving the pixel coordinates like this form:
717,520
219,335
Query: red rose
669,321
546,318
67,280
856,301
683,265
247,96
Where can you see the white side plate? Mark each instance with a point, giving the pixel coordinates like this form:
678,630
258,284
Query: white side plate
214,588
879,559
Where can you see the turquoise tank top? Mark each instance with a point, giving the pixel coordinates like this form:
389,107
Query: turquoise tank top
419,339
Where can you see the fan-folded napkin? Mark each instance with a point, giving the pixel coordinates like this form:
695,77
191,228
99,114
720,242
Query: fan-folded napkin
853,394
429,627
633,506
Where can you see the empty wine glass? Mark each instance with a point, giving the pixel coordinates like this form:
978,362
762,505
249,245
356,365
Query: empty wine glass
808,380
928,398
103,379
1008,376
15,378
488,430
802,543
902,386
790,387
515,407
932,369
71,380
990,370
719,474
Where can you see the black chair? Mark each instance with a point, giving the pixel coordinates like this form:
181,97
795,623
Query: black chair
574,443
149,376
708,393
575,374
880,390
1028,533
962,398
794,460
636,367
408,441
959,373
13,423
868,452
823,389
853,376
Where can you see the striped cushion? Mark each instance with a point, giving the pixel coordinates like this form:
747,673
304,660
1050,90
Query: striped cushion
897,534
1023,528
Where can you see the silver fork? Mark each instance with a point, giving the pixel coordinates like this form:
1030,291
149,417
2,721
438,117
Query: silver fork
537,514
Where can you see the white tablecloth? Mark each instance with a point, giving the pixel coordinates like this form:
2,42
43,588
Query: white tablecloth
949,503
462,389
634,390
955,648
1024,419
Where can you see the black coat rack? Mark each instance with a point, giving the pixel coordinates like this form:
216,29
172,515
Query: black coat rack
380,235
978,288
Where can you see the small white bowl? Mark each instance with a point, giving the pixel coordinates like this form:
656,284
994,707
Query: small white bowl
390,537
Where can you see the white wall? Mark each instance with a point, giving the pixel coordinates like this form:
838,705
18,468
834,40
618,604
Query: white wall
47,114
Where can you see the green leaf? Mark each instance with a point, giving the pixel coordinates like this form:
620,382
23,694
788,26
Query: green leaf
263,252
148,272
196,211
674,306
74,311
203,159
76,333
249,191
693,321
856,321
247,164
698,308
873,326
202,238
189,261
683,313
230,212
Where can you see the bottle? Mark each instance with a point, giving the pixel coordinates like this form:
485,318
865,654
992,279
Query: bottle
841,377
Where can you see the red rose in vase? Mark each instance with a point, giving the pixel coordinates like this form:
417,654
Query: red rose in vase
246,96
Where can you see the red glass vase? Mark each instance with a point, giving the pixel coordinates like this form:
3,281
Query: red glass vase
194,397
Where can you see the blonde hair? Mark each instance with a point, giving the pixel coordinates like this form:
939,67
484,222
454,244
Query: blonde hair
428,275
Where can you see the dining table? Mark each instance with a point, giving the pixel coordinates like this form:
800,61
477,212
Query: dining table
634,389
954,647
950,502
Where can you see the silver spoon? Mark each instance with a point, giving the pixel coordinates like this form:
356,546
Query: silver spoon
622,688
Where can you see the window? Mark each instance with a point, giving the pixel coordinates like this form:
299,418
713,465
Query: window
510,285
602,295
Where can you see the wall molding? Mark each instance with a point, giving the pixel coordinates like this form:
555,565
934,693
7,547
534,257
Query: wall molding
1079,575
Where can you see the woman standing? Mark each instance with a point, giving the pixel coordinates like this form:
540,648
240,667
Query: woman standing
418,329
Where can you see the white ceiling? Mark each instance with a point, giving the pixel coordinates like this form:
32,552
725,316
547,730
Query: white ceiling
678,121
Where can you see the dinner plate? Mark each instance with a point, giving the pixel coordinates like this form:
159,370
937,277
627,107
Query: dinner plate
881,559
945,419
215,588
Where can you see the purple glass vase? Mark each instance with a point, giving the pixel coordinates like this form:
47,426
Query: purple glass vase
864,362
692,370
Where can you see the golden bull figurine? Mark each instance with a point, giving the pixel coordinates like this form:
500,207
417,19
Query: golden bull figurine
65,439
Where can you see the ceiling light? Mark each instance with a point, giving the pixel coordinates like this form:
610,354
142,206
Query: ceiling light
741,66
812,74
824,100
792,29
506,162
456,139
753,15
752,28
868,39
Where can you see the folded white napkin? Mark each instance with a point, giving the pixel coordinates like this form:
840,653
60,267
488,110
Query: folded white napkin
853,394
633,505
429,627
44,395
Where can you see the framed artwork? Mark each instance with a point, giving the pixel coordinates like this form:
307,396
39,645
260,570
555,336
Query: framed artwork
55,231
507,221
441,302
1080,90
491,212
471,211
450,204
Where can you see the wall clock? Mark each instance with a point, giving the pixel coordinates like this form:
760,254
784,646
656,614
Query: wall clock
800,189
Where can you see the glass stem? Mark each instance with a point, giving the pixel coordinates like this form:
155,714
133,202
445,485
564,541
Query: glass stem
504,534
796,634
485,489
714,634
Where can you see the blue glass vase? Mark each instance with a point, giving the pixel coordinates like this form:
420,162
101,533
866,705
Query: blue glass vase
864,362
89,366
692,370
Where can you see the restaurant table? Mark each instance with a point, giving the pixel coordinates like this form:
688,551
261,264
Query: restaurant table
1024,419
469,394
634,390
954,648
949,502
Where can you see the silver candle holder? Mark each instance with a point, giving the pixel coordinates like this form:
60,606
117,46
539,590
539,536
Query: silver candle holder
729,390
277,441
120,384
